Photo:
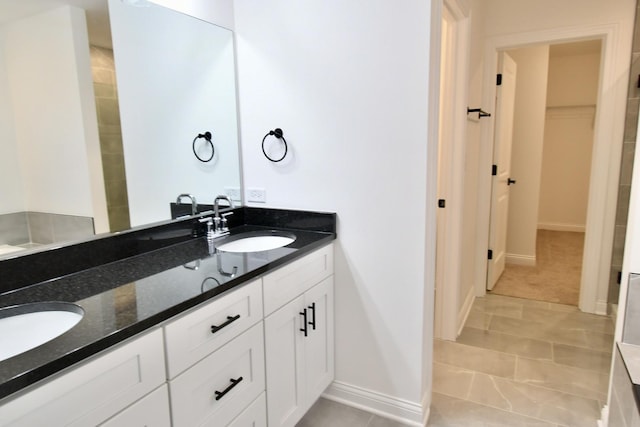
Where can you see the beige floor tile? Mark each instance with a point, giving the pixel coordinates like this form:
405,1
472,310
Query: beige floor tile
451,380
539,330
377,421
599,341
533,401
506,343
580,382
451,412
571,320
478,319
327,413
500,305
582,358
474,358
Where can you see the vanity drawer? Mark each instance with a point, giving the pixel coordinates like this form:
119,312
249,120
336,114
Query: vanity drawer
234,375
151,410
254,416
286,283
93,392
205,329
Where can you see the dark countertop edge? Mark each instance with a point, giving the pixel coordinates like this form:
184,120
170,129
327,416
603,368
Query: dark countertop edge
30,379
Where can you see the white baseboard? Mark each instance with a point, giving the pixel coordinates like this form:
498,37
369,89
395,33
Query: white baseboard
517,259
466,309
601,307
604,417
580,228
400,410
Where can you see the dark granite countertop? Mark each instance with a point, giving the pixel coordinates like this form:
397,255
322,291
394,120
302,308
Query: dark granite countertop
128,296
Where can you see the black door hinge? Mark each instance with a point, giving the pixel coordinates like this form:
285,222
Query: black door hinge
619,279
494,170
441,203
490,254
499,80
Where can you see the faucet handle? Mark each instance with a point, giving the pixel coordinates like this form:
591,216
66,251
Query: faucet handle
224,221
209,222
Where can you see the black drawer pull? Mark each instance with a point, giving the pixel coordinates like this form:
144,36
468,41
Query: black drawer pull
220,394
303,313
230,320
312,307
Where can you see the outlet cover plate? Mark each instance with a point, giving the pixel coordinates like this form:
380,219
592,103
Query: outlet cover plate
256,195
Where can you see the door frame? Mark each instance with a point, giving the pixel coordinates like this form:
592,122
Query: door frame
449,315
605,167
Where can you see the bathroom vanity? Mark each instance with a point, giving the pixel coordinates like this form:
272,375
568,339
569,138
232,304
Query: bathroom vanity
175,335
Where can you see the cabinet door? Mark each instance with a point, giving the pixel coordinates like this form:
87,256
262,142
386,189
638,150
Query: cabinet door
319,368
151,410
284,348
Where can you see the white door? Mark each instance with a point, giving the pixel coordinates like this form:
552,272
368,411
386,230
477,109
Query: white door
505,99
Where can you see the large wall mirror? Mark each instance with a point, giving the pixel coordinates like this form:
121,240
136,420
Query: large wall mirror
100,102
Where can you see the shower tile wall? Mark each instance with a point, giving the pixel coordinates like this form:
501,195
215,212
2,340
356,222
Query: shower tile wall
628,150
106,93
14,229
37,228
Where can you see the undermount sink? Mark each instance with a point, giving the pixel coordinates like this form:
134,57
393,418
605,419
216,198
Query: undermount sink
26,326
256,241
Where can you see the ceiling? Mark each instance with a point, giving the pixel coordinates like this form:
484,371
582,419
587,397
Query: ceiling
96,12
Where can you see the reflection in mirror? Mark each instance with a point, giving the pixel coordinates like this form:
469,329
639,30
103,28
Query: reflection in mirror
74,159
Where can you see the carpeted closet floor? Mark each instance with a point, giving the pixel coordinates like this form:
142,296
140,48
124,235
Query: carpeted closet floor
556,276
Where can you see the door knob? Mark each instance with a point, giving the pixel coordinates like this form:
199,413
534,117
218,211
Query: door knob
510,181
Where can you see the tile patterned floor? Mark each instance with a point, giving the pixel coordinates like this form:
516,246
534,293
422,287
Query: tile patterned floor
523,362
517,363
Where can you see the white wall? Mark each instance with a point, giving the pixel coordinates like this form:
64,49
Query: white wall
526,152
568,145
172,86
347,82
10,175
566,169
219,12
573,79
55,123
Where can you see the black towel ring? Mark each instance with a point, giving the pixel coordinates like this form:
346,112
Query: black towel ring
202,287
277,132
207,137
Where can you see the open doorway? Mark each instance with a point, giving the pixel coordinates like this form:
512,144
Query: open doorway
553,132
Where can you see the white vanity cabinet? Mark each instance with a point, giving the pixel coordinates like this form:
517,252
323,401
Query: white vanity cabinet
298,336
259,355
95,391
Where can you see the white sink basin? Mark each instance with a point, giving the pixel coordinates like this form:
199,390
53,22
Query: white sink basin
23,327
255,242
